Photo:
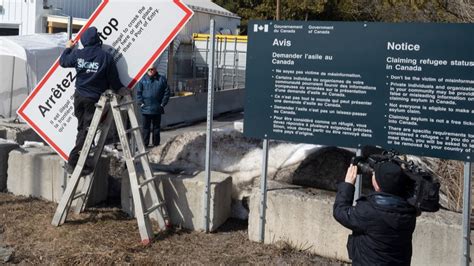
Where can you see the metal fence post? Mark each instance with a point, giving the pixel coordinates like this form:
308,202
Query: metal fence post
10,113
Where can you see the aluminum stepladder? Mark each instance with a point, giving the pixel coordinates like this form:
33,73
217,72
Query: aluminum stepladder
136,159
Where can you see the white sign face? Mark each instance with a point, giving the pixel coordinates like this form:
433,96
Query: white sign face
135,32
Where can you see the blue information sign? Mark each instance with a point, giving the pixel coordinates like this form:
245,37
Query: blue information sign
404,86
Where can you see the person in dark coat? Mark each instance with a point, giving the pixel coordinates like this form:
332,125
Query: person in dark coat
152,96
96,73
382,223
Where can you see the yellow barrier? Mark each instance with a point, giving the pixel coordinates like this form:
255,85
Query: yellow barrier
185,93
220,37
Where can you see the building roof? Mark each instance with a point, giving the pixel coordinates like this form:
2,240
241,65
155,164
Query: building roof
206,6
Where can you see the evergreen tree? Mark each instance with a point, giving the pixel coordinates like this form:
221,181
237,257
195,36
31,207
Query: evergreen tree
353,10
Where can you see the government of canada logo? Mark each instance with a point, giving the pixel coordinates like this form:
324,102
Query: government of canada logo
257,28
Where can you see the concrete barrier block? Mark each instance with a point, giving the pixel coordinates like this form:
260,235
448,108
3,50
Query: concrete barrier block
38,172
239,126
303,219
437,239
5,148
184,198
18,132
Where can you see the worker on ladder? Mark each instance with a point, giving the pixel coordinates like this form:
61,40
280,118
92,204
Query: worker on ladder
96,73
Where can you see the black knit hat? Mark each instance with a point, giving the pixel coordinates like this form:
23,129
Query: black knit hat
390,178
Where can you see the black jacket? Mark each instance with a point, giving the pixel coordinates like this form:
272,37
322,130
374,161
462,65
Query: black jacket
382,227
95,68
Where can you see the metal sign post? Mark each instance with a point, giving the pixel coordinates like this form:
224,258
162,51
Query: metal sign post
69,27
358,183
210,113
263,190
466,216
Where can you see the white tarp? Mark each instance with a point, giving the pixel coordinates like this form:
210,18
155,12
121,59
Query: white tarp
23,62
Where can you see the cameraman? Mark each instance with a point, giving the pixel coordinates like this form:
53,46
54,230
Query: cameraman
382,223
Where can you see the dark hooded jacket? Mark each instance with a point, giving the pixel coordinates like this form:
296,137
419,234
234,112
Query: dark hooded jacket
382,227
95,68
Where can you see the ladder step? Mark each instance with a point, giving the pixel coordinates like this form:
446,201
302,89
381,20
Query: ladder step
146,182
124,104
154,207
80,195
140,155
131,129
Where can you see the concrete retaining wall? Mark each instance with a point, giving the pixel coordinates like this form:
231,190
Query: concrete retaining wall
194,107
38,172
5,149
305,221
184,198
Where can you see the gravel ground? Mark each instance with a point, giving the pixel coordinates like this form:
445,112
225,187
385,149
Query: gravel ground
106,235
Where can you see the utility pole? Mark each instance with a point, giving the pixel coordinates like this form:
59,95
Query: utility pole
278,10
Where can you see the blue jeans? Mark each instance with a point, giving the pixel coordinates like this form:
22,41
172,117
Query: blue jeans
151,124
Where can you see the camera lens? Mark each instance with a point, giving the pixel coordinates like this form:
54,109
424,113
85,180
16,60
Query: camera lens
363,165
364,168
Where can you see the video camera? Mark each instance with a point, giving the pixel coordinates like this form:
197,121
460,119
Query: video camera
423,186
366,164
